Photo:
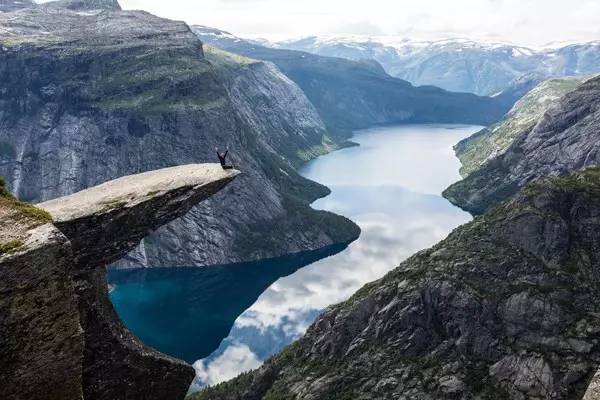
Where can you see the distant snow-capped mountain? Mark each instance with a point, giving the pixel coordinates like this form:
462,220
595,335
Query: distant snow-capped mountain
461,65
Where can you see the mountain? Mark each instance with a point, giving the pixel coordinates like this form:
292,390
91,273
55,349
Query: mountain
86,4
474,151
563,140
575,59
506,307
12,5
98,94
458,65
455,65
357,94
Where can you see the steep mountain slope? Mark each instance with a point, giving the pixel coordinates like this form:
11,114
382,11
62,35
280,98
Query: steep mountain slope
356,94
505,308
575,59
99,94
474,151
457,64
565,139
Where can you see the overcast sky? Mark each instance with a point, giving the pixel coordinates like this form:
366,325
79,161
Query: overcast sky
528,22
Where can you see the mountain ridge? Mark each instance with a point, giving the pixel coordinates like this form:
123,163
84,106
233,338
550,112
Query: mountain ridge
461,65
357,94
474,151
563,140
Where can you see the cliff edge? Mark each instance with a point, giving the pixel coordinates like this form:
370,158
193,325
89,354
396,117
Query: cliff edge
60,336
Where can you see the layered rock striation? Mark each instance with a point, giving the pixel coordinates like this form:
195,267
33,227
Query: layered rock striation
60,336
507,307
351,95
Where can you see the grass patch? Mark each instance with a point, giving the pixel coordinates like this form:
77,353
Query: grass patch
10,247
113,205
25,209
4,193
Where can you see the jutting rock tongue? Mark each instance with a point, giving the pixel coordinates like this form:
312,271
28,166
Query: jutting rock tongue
54,286
129,208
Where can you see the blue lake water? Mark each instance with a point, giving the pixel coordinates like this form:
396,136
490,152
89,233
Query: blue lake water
228,319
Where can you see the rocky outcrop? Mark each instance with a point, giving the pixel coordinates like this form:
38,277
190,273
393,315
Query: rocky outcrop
593,391
357,94
98,94
60,336
490,142
507,307
563,140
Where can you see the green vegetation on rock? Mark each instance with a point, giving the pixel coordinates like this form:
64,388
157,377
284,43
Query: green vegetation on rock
4,193
326,146
10,247
149,84
563,140
490,142
23,209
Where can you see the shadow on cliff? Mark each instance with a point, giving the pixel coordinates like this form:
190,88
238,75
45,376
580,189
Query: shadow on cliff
187,312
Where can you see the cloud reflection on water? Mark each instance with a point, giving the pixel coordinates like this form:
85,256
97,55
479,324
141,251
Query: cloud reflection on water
390,186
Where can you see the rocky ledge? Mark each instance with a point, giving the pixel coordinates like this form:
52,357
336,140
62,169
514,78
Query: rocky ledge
507,307
60,337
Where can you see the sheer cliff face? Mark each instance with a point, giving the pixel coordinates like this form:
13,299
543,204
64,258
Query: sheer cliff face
563,140
505,308
358,94
59,334
99,94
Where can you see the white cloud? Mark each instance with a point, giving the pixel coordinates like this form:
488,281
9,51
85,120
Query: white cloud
530,22
234,360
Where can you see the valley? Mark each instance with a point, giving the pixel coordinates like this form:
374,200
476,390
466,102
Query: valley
390,185
189,213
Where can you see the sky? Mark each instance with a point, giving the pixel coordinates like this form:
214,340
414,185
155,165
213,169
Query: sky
526,22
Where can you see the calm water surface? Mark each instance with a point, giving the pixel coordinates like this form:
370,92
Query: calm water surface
230,318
